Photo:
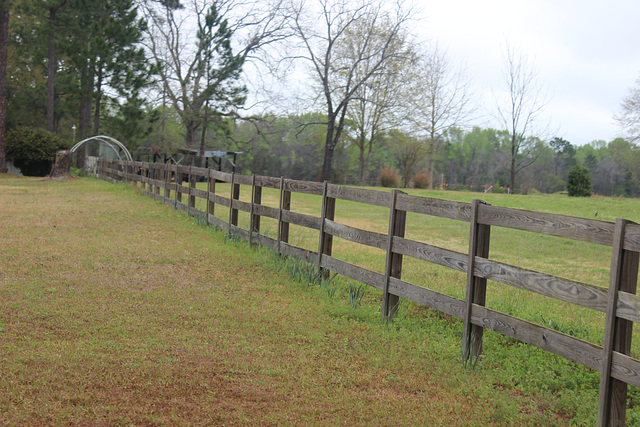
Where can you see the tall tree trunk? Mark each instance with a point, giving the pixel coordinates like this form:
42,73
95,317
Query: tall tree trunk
4,39
52,66
84,125
51,72
98,90
512,177
363,166
329,147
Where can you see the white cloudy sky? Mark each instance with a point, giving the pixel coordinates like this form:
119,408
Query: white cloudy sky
587,53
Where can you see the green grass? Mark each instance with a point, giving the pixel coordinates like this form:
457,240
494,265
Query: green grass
116,309
572,260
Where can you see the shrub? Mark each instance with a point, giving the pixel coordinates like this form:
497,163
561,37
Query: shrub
389,178
579,182
33,150
420,181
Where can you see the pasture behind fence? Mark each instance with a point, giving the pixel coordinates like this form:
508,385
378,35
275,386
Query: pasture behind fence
176,186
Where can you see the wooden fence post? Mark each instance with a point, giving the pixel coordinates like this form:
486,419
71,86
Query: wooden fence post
192,185
211,205
159,177
235,195
479,238
167,182
393,265
285,204
623,277
256,199
325,242
179,181
279,232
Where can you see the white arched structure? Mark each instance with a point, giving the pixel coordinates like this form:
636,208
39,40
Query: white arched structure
109,142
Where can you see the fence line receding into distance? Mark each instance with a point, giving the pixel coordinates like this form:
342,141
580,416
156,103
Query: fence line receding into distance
176,185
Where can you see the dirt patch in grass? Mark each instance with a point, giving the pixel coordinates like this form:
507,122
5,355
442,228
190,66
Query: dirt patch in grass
116,310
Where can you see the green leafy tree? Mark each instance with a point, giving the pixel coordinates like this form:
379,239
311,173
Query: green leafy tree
579,182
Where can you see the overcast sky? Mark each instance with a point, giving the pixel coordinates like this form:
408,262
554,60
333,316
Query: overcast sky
587,53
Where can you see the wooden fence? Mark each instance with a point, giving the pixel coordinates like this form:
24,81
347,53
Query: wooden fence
176,185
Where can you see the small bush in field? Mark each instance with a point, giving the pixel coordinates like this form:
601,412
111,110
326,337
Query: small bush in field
420,181
389,178
33,150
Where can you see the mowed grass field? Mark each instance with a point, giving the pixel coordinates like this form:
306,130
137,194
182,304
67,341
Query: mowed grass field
118,310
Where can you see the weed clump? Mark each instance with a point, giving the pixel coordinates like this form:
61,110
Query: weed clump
389,178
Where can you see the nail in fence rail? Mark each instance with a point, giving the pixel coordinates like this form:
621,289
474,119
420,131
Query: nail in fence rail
619,302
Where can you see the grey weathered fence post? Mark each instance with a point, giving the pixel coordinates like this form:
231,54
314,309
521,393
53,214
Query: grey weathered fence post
479,237
179,180
325,242
235,195
623,277
256,199
211,205
192,185
167,183
393,265
284,205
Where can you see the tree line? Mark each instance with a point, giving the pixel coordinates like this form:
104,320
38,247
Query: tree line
361,92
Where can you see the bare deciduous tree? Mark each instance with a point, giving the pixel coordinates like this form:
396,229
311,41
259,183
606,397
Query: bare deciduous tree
376,103
520,111
439,99
629,118
201,48
341,73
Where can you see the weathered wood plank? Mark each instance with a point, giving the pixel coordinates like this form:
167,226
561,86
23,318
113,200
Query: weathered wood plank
585,295
434,207
632,237
266,211
217,222
360,195
433,254
298,253
243,179
583,352
267,181
236,231
182,189
586,230
625,368
197,213
307,187
242,206
219,200
265,241
363,237
182,169
302,220
424,296
629,306
182,206
195,192
354,272
220,176
199,172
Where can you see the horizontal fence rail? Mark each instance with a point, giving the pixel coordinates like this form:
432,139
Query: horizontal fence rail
176,185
